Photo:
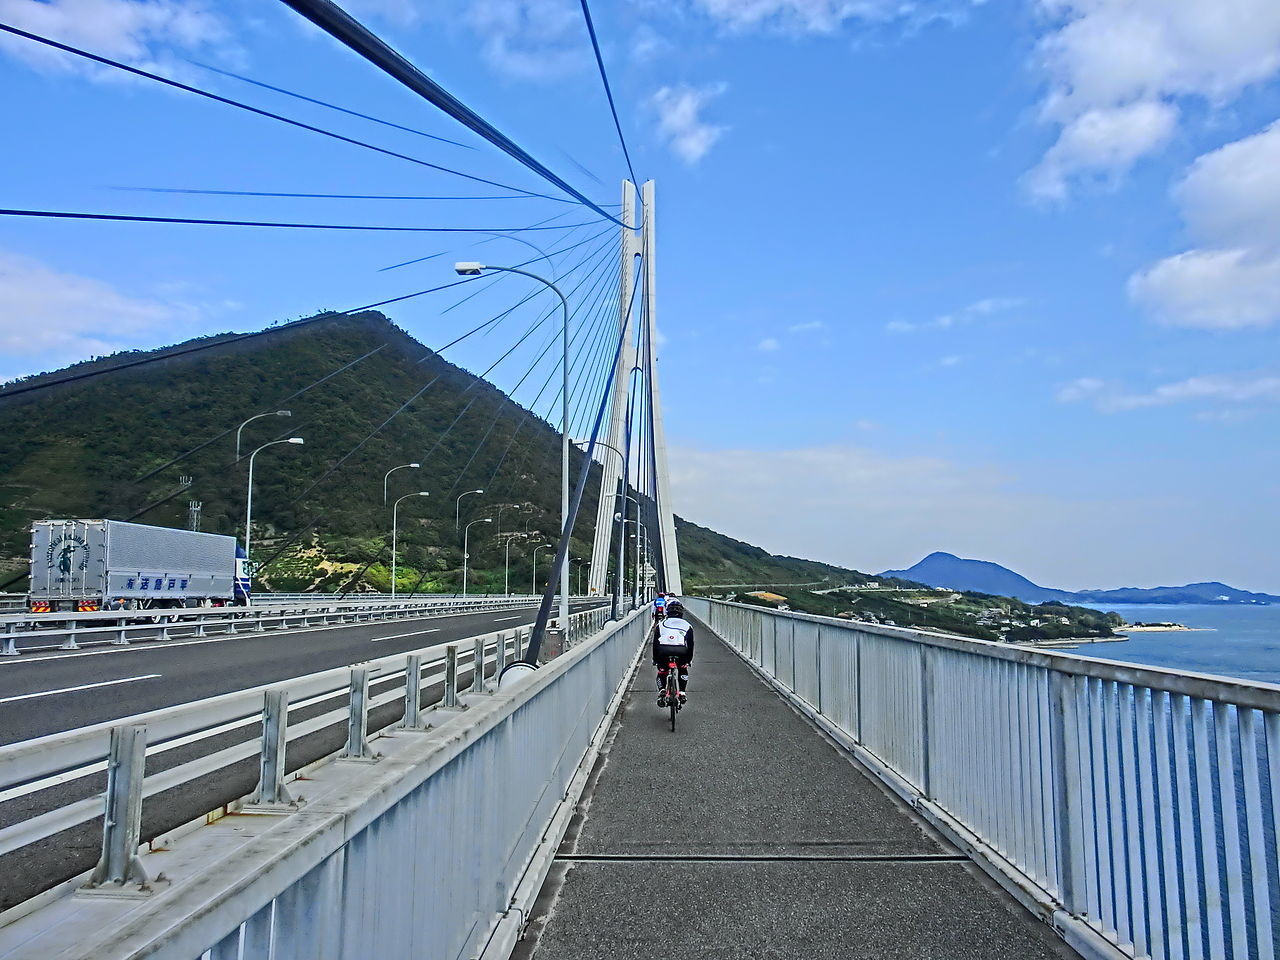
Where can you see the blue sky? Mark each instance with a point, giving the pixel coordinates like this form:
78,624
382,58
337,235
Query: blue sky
1001,279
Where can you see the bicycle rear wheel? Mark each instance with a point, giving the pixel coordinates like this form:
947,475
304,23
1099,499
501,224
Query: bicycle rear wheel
673,698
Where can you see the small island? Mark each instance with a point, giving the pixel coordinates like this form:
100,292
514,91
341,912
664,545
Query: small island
1158,626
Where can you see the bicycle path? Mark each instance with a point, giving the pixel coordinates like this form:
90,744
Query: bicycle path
747,834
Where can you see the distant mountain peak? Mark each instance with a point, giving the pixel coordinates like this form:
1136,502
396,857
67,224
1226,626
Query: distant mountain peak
941,569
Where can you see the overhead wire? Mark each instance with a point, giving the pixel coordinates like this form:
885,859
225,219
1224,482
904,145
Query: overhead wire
378,429
340,25
176,84
327,104
126,218
608,90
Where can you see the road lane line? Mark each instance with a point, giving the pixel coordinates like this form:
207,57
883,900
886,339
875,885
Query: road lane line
401,636
83,686
505,619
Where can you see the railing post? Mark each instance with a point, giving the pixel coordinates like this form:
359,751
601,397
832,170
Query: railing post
120,639
477,667
450,701
1064,755
70,642
358,718
271,790
10,647
926,687
413,694
502,656
122,821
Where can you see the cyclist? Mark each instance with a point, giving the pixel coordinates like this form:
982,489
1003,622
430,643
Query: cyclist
672,640
659,606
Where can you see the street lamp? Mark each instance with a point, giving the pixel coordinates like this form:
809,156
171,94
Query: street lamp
457,508
509,506
644,532
394,517
579,561
248,504
386,476
506,568
533,589
472,269
270,413
465,536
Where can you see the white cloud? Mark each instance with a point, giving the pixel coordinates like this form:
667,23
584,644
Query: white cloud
980,308
825,16
1232,195
141,33
528,39
810,327
61,317
1117,68
1104,142
1211,289
680,120
1230,200
767,345
1223,389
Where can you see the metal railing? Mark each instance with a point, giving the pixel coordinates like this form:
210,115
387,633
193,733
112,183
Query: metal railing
431,840
1134,808
70,631
31,766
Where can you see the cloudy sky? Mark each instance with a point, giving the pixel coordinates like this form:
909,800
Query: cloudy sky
997,278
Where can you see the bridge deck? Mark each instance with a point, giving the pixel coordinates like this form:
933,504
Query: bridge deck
758,838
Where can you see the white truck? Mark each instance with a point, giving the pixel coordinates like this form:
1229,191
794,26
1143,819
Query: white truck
87,565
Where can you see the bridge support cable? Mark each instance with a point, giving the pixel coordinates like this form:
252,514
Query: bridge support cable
611,490
340,25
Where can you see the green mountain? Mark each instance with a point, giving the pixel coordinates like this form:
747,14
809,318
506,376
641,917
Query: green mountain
112,446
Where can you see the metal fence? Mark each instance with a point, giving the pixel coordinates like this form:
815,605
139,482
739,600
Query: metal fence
32,766
70,631
1134,808
429,842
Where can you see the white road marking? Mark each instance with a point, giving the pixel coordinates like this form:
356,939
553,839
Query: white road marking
401,636
83,686
504,619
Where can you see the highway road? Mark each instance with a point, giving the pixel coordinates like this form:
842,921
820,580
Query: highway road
51,692
43,693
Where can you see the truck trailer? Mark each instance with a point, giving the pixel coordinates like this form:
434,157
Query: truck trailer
87,565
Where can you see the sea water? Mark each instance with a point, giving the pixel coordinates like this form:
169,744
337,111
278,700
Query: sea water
1234,640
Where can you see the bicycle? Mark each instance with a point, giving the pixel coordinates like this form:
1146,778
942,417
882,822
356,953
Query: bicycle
671,694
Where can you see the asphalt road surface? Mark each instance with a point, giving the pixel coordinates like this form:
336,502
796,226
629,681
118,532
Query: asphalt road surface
47,693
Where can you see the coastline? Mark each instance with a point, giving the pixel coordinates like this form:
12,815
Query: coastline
1177,628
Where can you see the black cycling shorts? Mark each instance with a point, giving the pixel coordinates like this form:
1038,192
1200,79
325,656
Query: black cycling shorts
664,655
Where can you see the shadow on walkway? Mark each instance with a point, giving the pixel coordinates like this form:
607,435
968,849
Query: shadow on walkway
747,834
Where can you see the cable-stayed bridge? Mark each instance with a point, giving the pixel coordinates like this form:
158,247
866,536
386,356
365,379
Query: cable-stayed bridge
443,775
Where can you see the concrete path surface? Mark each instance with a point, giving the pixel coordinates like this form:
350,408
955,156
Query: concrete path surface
747,834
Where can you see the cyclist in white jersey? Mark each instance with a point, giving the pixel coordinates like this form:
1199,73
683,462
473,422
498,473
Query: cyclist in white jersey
672,640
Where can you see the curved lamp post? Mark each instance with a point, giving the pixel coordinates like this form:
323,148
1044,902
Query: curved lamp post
257,416
386,476
248,502
457,508
395,516
465,539
471,269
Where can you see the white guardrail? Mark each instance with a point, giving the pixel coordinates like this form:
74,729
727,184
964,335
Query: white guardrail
70,631
1136,809
31,766
429,841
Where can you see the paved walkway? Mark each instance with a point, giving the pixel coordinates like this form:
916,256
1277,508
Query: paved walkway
746,834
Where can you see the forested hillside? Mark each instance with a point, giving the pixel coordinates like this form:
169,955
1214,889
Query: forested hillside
112,446
99,448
